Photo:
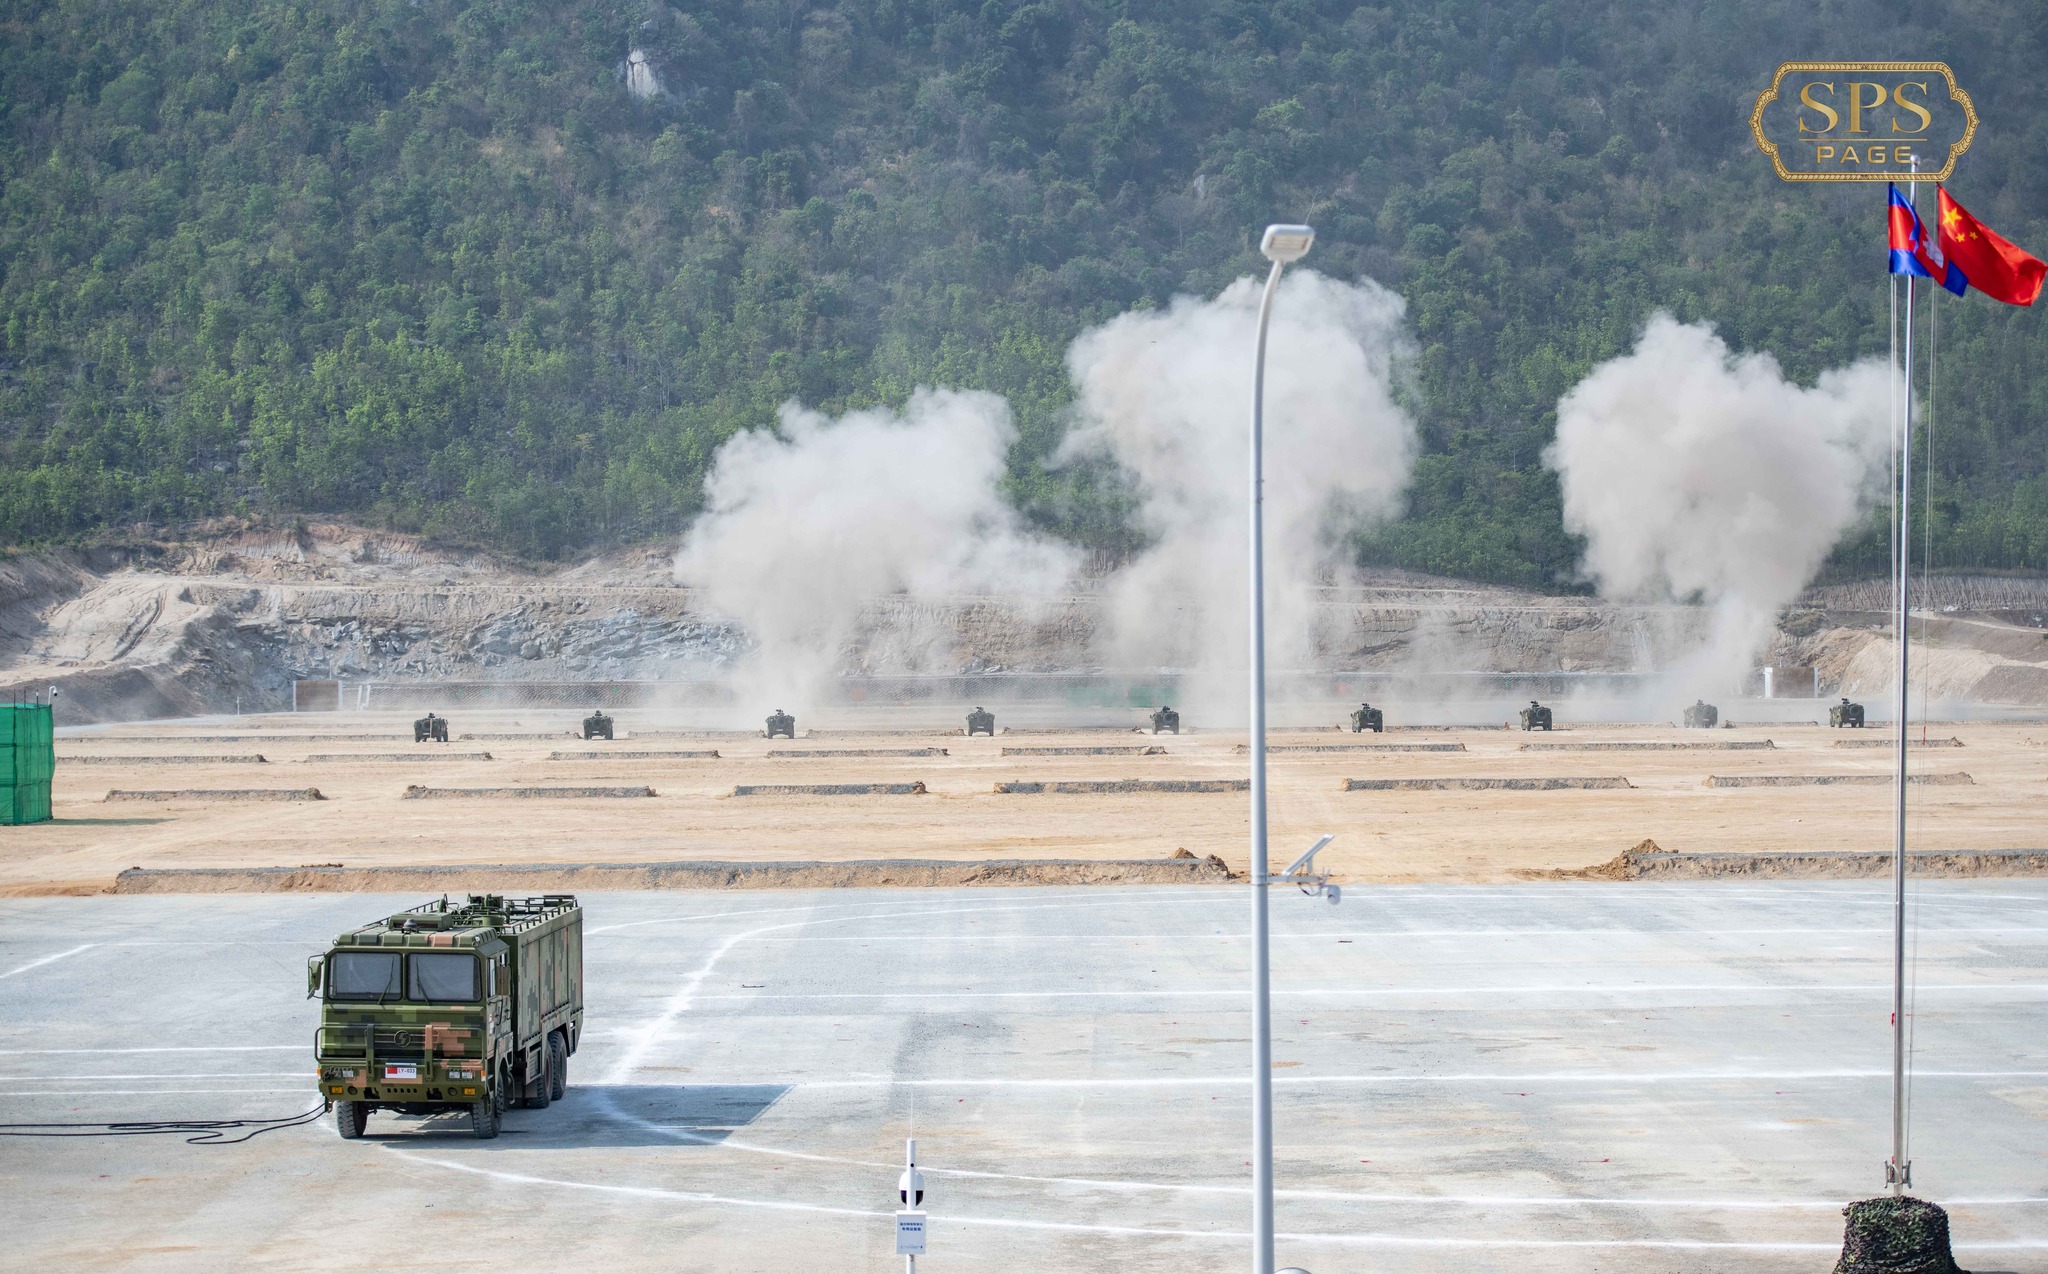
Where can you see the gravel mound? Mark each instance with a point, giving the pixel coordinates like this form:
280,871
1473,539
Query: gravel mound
813,754
1482,785
1832,780
1134,750
251,759
1092,787
1731,745
415,792
701,755
829,789
1357,747
219,794
324,758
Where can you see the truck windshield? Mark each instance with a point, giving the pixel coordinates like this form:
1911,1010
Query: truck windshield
442,977
363,975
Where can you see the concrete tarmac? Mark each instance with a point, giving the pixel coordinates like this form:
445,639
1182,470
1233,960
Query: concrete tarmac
1542,1077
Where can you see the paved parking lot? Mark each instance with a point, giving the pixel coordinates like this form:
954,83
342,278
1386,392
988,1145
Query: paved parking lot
1537,1077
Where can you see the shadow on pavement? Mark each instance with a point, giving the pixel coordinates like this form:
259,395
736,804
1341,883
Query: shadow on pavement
604,1115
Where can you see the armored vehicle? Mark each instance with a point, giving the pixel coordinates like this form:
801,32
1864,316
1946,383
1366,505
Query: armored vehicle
780,722
1702,716
597,725
981,721
1535,716
430,727
1166,719
450,1007
1366,718
1846,714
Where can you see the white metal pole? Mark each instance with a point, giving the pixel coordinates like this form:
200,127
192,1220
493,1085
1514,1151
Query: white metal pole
910,1199
1262,990
1898,1172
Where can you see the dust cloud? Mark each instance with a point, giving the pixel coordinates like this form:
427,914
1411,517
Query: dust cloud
1166,395
1694,472
803,530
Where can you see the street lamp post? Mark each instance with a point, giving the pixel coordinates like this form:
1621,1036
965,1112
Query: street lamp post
1281,245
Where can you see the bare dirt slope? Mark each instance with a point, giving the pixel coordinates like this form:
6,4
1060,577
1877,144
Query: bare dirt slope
226,620
1382,835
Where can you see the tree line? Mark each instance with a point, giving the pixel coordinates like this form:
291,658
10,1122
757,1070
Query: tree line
434,265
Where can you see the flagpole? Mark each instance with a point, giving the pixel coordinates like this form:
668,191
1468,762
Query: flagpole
1898,1172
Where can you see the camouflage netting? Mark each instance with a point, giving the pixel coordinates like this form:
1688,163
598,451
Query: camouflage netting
1896,1236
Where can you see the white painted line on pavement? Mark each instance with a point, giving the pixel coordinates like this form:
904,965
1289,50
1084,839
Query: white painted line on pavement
1312,1080
1391,935
155,1092
1793,989
1007,1223
728,1142
190,1048
48,959
86,1079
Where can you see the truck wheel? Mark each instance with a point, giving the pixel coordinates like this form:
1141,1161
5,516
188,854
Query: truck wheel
350,1118
543,1084
558,1067
483,1118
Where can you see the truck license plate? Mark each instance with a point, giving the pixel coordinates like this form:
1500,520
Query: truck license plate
395,1071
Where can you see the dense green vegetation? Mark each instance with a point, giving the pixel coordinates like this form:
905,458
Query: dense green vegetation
431,264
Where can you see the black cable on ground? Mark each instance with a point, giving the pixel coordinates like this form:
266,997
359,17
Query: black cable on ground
205,1132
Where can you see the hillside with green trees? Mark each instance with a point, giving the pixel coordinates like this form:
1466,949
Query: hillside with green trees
433,266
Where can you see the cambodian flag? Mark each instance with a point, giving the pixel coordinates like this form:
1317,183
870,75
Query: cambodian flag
1911,253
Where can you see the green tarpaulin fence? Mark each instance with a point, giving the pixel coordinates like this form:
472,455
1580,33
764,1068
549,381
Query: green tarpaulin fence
28,759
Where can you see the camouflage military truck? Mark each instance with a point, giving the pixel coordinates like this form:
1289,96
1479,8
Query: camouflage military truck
450,1007
981,721
780,722
1367,717
1702,716
1536,717
597,725
1846,714
430,728
1166,719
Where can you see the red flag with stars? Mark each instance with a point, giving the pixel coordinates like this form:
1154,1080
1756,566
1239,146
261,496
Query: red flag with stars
1997,267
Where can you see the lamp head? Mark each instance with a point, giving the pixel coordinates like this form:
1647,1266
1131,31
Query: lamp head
1286,244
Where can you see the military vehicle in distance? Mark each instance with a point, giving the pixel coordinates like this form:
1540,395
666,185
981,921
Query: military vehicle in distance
1846,714
1367,717
597,725
449,1007
1166,719
1536,717
430,727
1702,715
780,722
981,721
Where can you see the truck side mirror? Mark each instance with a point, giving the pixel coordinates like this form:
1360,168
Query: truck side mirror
314,967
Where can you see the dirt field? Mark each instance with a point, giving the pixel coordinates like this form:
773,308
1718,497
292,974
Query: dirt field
1399,835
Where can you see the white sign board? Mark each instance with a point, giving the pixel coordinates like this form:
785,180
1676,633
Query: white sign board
910,1234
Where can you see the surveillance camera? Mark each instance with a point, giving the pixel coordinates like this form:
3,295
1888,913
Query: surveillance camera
1335,893
912,1181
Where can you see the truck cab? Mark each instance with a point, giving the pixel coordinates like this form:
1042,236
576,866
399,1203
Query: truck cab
450,1008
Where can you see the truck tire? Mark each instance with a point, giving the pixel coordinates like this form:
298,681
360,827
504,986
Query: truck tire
350,1118
544,1083
483,1118
558,1067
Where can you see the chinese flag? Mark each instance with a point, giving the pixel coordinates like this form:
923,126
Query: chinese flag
1997,267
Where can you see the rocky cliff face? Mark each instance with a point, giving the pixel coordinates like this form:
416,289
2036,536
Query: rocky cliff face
233,617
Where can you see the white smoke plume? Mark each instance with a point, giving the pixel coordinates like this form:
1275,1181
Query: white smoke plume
803,530
1167,394
1697,473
